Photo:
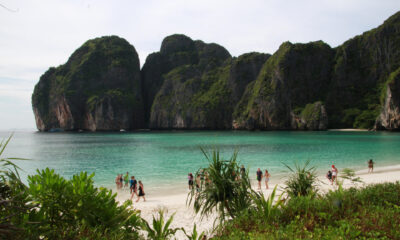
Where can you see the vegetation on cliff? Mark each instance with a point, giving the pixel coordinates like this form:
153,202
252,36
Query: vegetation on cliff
195,85
98,88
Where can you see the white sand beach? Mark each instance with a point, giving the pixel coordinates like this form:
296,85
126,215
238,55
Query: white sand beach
186,218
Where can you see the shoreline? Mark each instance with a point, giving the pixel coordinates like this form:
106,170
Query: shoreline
185,216
183,130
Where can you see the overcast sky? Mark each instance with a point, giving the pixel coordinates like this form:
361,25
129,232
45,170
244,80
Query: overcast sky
38,34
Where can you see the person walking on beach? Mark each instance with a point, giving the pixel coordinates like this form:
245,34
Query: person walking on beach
259,177
267,176
334,174
121,180
141,192
370,166
117,181
133,186
126,180
190,181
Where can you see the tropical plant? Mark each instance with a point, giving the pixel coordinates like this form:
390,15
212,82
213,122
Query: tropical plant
226,189
161,230
350,175
195,235
13,197
302,181
267,208
67,205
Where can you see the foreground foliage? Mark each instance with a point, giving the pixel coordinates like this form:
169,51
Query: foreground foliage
370,212
226,189
161,229
302,181
51,207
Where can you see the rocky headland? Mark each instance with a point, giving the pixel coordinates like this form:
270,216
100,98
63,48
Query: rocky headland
190,84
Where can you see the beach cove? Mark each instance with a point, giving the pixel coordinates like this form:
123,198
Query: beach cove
163,159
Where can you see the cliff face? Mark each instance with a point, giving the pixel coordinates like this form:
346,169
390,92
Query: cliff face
192,94
195,85
98,88
296,75
389,117
362,66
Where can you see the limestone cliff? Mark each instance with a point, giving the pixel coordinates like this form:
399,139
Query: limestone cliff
362,66
98,88
193,94
294,76
190,84
389,118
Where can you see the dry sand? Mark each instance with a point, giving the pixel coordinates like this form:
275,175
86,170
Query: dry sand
186,218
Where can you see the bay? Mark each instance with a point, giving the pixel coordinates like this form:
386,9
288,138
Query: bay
163,159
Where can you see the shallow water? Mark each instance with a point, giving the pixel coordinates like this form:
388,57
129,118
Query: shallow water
162,160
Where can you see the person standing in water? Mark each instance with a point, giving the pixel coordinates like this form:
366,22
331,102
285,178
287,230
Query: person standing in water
334,174
267,176
370,166
259,177
141,192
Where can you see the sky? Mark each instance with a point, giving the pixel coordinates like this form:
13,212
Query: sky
38,34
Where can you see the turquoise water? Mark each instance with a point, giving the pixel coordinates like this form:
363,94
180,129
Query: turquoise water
162,160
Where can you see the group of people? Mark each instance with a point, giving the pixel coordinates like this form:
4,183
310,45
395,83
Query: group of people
203,179
122,182
333,173
260,176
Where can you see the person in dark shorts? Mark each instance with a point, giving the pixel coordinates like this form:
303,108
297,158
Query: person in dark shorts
121,180
329,176
259,177
370,166
141,192
133,186
190,181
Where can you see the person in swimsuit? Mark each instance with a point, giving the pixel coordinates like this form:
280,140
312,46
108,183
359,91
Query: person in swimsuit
141,192
121,180
267,176
117,181
133,187
370,166
259,177
334,174
190,181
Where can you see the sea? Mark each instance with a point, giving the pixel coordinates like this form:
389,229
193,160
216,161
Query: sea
163,159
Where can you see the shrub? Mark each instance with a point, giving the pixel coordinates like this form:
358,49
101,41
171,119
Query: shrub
67,205
161,230
302,181
226,189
